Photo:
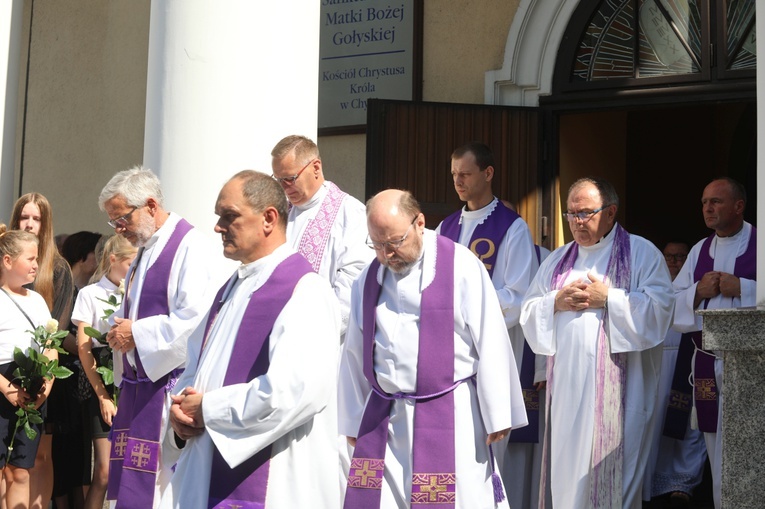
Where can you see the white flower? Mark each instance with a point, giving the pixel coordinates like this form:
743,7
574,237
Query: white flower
121,288
52,326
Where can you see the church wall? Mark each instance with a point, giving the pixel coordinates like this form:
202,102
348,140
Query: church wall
85,102
461,41
83,118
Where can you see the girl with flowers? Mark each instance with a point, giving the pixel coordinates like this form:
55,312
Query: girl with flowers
94,304
21,312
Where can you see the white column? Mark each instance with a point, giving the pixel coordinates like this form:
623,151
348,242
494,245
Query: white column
760,6
226,81
10,49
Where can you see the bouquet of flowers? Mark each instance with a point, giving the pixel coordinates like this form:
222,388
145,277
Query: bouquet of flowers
104,357
33,370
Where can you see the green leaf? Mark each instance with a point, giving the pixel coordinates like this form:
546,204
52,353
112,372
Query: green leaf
93,333
106,374
29,431
34,417
61,372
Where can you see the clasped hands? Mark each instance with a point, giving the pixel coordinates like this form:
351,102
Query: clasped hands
120,337
581,294
714,283
186,417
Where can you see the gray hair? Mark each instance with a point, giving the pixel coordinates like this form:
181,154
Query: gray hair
262,191
607,192
136,185
305,149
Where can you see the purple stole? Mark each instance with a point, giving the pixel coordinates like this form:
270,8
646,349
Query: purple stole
134,458
484,243
433,472
245,485
705,393
314,239
607,455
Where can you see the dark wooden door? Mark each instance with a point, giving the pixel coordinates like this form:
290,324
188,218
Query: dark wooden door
409,145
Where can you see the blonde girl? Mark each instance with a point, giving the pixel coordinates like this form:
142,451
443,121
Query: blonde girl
89,311
21,311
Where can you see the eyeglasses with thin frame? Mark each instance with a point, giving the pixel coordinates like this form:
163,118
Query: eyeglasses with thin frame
121,221
291,180
582,216
391,244
680,257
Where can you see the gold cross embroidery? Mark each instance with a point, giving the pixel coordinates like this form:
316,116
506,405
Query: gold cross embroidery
365,472
141,455
120,443
433,488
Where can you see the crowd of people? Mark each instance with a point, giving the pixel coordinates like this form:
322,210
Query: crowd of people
356,358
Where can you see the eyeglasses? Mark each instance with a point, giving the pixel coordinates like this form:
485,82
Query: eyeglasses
582,216
291,180
392,244
675,257
121,221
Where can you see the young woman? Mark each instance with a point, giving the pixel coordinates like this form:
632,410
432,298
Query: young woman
21,311
89,311
32,213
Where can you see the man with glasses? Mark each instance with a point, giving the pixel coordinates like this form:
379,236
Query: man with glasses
720,273
599,308
499,237
427,378
169,288
325,225
252,410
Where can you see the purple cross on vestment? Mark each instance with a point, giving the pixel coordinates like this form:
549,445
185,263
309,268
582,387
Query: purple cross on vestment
433,472
134,459
704,389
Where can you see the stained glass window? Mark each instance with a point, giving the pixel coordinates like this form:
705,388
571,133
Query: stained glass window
636,39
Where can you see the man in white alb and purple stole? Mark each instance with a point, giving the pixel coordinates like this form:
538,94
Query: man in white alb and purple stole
427,378
719,273
599,308
168,290
250,414
502,241
325,225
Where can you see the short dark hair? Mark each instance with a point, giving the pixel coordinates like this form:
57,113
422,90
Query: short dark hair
78,245
483,155
737,189
262,191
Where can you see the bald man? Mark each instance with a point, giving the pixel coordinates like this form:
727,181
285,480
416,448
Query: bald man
427,378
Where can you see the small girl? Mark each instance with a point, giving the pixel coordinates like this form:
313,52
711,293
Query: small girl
21,311
89,311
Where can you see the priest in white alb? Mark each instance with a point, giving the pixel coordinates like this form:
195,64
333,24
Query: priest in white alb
599,307
250,415
427,379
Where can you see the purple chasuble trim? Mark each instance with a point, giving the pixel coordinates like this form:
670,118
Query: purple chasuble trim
607,455
316,235
245,485
433,472
135,448
704,389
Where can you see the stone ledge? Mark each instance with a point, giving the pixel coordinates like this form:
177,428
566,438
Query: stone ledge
740,329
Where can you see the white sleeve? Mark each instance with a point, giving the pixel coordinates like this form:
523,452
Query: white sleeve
244,418
161,339
638,319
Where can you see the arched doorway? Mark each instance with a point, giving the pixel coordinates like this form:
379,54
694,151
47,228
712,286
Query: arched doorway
658,96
